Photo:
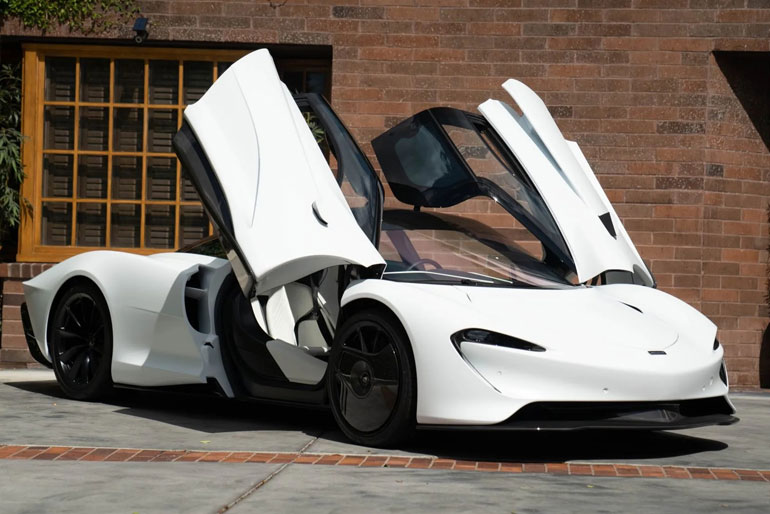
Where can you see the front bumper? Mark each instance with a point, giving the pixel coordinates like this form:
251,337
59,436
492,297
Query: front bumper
668,415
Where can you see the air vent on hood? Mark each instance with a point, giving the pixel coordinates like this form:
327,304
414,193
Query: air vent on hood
607,222
637,309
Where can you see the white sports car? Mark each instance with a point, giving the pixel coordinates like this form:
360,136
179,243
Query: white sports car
449,324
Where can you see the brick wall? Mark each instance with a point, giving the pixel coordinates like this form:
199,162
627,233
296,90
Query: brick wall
633,81
13,347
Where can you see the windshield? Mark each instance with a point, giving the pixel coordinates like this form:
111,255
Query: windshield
447,249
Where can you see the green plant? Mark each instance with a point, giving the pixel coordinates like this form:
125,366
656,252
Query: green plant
80,15
11,171
315,128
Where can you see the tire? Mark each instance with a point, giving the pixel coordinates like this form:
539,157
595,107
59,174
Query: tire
371,379
80,342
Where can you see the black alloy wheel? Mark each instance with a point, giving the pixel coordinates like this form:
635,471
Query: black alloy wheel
371,382
80,342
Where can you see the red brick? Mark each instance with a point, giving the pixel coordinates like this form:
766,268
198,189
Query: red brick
676,472
374,462
306,458
397,462
51,453
351,460
144,455
533,467
330,459
511,467
262,457
166,456
283,458
7,451
419,463
28,453
122,455
443,464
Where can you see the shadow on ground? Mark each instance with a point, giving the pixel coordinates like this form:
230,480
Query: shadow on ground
212,414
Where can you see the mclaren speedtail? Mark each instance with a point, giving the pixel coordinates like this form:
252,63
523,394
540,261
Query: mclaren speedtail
421,316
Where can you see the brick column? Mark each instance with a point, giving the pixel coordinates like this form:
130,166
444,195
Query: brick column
13,345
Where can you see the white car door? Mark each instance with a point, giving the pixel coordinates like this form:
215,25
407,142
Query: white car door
591,229
265,181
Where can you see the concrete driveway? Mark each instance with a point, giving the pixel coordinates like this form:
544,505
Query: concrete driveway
153,452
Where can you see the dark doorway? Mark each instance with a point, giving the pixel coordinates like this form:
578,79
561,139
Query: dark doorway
748,74
764,360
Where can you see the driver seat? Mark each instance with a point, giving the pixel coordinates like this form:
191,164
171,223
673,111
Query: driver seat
294,314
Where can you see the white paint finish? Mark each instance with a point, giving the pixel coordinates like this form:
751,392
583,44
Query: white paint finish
273,174
623,239
566,183
593,343
153,343
298,366
542,129
448,389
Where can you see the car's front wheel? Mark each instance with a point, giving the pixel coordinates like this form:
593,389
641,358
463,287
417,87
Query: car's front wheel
80,342
371,380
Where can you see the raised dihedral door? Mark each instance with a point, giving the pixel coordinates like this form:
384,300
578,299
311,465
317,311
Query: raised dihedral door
591,229
265,181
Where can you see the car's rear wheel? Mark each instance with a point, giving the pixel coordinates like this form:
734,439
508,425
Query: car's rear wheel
371,379
80,342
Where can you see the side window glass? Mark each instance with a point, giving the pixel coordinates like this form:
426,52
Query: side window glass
354,173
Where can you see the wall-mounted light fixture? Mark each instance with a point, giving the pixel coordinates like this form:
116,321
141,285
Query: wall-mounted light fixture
140,27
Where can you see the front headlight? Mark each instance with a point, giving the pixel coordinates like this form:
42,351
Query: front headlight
477,335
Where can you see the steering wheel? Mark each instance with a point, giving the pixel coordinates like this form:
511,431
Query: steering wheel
424,261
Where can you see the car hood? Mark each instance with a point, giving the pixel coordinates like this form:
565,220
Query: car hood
557,319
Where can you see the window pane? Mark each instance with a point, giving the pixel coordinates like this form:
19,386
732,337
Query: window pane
91,224
161,178
124,229
56,227
94,80
161,128
295,81
197,79
188,193
126,178
127,130
193,224
129,81
222,67
316,82
60,78
164,82
57,175
94,126
92,176
159,226
59,128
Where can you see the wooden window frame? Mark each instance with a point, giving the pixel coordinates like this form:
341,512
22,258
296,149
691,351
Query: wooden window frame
30,247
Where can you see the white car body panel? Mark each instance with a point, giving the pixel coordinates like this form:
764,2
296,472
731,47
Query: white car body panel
596,351
153,343
274,177
565,182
